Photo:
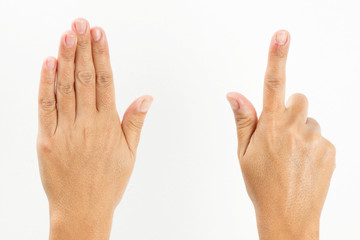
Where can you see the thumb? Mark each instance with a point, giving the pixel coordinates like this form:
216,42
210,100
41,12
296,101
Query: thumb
133,120
245,119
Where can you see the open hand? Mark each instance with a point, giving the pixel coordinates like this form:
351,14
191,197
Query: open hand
86,154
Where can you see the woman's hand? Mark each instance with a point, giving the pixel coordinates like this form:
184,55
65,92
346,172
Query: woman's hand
286,163
86,154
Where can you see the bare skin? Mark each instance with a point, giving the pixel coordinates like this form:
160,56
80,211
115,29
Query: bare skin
86,154
286,164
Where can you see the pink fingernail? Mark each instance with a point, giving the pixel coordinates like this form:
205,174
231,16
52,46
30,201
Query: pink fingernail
145,104
50,64
233,102
70,39
96,34
281,37
80,26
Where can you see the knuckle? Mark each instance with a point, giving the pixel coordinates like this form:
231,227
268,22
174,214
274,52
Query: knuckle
330,155
300,99
314,124
243,122
83,43
333,163
297,103
272,82
315,138
65,87
86,77
100,49
135,124
104,78
68,55
47,104
331,148
312,121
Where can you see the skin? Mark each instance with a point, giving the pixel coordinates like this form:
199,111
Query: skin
286,163
86,154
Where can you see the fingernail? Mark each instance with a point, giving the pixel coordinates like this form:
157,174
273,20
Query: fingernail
233,102
96,34
70,39
281,37
80,26
50,64
145,104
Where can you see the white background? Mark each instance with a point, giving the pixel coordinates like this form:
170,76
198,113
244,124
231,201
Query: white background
188,54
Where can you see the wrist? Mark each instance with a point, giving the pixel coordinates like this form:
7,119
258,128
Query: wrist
73,225
275,228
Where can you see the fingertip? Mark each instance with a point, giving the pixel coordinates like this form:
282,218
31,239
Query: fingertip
144,103
133,120
232,98
281,38
97,34
139,106
232,94
245,119
50,64
48,71
279,46
69,39
240,103
80,25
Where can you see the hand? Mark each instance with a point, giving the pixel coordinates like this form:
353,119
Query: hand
286,163
86,154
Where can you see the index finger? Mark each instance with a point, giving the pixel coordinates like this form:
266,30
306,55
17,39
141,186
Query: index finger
275,76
